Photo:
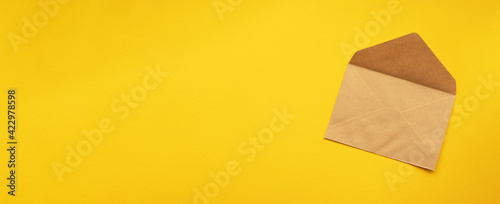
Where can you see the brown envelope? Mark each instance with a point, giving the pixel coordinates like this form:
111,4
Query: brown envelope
395,100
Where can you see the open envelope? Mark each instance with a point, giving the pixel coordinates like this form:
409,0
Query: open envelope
395,100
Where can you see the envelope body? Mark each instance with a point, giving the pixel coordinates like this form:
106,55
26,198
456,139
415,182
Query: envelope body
395,100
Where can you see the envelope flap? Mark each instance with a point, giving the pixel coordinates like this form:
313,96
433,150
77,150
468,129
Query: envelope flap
408,58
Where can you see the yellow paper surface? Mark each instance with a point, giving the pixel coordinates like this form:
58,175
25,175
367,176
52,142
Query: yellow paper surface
248,97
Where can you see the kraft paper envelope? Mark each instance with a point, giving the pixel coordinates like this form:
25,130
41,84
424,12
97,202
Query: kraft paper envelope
395,100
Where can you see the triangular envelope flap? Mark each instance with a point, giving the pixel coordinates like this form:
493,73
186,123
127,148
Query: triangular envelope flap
408,58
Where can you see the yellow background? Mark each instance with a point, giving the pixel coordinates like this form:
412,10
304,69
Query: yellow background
226,77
